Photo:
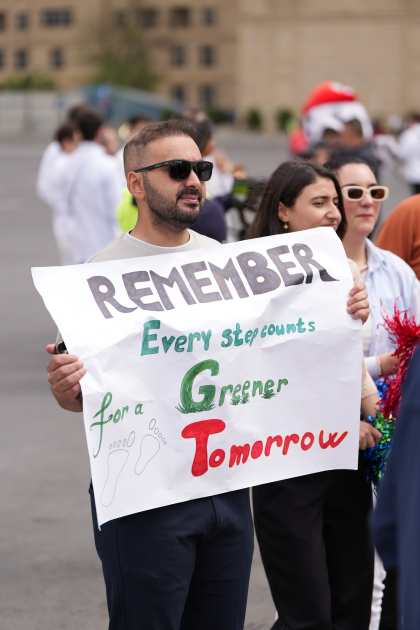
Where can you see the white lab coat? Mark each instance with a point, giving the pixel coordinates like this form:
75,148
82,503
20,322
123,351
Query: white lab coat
48,188
90,191
46,173
221,183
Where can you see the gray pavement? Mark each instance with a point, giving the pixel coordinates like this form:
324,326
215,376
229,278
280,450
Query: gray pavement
51,576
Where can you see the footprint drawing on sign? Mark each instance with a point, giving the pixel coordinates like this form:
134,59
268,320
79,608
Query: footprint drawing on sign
116,462
148,449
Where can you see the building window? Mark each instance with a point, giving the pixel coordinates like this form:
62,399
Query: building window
148,18
22,21
56,58
178,56
180,17
21,59
121,19
2,59
207,95
207,55
178,93
56,18
208,17
2,21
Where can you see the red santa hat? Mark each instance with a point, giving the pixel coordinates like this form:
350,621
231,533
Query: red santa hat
329,92
329,106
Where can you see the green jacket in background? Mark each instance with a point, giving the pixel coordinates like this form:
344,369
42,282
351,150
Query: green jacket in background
127,212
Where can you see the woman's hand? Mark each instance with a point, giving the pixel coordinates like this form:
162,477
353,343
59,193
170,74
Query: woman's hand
358,305
387,362
368,436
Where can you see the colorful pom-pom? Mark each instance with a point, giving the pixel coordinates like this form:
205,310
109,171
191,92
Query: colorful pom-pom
376,457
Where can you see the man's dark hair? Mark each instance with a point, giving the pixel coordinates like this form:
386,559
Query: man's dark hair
415,116
335,163
201,121
75,112
355,126
89,123
66,130
135,149
138,118
285,185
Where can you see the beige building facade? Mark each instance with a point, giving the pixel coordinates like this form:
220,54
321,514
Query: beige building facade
232,54
286,47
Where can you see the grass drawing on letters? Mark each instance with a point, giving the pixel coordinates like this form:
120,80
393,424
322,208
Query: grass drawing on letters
188,405
268,394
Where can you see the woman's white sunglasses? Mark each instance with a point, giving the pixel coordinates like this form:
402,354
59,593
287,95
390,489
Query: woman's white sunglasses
357,193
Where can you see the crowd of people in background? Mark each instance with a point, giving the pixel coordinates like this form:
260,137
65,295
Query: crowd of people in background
84,138
316,581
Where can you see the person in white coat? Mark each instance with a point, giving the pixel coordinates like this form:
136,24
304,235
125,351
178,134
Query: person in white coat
48,189
409,152
90,191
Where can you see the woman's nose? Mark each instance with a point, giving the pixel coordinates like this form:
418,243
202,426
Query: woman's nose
333,211
367,201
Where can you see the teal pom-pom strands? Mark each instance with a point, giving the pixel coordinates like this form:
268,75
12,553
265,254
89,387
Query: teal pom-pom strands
376,457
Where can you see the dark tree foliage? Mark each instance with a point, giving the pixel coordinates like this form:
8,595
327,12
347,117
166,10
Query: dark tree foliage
119,53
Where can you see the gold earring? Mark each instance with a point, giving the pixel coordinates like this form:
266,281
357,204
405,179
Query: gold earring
286,226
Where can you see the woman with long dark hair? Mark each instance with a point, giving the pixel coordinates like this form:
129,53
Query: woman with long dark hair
313,530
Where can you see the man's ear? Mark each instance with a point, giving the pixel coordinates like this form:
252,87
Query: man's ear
283,213
135,185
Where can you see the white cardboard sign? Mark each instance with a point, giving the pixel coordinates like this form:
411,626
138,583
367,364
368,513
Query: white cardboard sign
213,369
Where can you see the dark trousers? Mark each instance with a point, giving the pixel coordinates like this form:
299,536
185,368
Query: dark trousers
415,189
180,567
316,549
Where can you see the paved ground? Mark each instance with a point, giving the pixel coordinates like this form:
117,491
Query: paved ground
51,576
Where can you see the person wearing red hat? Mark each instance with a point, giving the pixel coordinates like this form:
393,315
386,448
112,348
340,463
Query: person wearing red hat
329,106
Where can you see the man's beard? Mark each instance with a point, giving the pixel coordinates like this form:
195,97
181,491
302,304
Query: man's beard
166,213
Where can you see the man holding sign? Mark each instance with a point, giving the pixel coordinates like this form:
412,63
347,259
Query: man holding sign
172,560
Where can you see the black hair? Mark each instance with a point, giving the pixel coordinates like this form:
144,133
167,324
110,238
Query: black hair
201,121
66,130
285,185
75,112
413,116
134,151
89,122
335,163
137,118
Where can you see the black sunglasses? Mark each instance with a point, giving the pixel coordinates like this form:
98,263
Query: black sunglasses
181,169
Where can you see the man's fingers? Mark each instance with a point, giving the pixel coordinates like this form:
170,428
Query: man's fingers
75,390
64,370
50,348
66,383
59,360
